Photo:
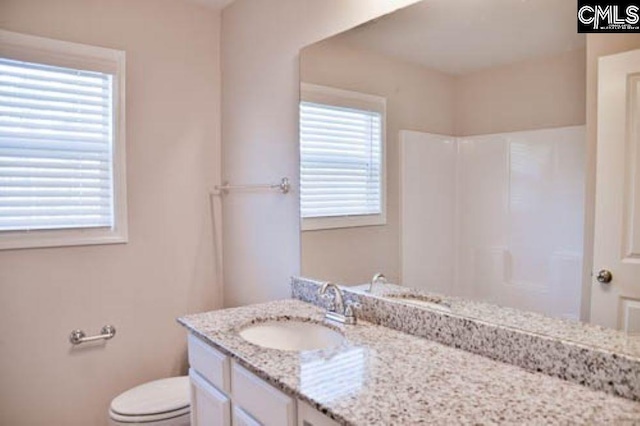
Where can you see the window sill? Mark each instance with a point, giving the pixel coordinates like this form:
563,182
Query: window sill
61,238
322,223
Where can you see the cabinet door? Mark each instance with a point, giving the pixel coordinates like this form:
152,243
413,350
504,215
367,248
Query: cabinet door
209,406
209,363
309,416
262,401
242,418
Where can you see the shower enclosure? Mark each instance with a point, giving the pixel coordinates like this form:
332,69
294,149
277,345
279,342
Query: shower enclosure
497,218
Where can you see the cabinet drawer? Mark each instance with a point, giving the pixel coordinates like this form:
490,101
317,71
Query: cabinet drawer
209,406
242,418
262,401
309,416
209,363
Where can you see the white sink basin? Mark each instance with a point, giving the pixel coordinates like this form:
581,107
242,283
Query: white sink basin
292,335
419,300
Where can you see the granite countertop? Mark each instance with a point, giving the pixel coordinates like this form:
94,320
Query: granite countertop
568,330
384,377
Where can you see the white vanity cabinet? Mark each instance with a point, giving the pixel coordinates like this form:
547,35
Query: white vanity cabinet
224,393
242,418
210,385
261,400
309,416
209,406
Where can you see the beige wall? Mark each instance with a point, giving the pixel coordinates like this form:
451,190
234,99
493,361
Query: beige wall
417,99
535,94
166,269
597,45
260,44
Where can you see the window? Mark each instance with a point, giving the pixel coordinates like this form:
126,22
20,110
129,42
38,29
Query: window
61,143
341,158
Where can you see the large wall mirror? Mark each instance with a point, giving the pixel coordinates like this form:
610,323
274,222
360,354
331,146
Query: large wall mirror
444,146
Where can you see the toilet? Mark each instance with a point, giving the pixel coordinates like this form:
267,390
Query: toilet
162,402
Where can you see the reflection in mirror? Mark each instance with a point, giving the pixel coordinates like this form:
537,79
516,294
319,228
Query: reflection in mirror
444,145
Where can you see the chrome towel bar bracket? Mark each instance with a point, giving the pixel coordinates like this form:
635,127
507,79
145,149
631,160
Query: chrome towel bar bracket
78,336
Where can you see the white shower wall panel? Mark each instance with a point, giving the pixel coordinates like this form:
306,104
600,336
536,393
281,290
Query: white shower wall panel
427,214
482,211
518,215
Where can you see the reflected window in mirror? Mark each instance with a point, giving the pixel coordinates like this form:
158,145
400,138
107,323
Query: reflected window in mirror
342,138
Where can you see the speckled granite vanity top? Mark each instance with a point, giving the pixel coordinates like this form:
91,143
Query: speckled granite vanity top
384,377
604,360
530,322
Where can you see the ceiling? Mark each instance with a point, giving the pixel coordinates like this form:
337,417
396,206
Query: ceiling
462,36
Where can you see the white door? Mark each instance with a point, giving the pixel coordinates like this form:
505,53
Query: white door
616,303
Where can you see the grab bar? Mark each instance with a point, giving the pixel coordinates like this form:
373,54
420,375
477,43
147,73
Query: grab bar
284,186
78,336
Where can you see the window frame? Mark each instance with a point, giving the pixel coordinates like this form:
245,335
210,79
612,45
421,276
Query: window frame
29,48
349,99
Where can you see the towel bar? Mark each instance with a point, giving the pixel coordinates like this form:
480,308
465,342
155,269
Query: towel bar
284,186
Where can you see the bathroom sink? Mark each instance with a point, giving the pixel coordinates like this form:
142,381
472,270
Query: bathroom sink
422,300
292,335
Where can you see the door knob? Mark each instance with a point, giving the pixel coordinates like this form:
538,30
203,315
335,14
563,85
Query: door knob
604,276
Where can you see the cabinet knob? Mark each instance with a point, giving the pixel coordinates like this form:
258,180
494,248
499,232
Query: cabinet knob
604,276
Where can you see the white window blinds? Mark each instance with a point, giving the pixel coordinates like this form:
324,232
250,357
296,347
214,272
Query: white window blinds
56,141
341,161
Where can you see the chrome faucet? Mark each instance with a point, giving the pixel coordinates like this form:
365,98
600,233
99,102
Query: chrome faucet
377,278
339,311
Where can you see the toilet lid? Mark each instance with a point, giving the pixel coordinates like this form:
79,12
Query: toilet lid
157,397
177,415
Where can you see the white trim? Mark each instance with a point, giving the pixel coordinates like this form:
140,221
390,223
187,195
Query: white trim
319,223
119,164
363,101
90,58
343,98
29,48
